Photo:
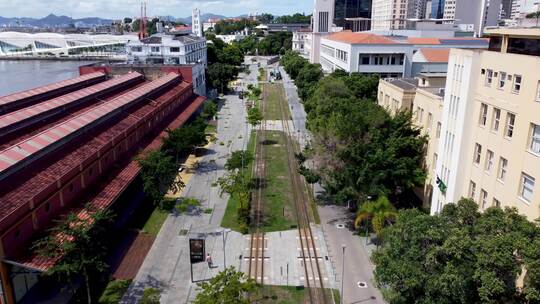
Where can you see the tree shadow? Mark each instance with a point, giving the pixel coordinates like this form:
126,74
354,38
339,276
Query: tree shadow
269,142
136,289
258,183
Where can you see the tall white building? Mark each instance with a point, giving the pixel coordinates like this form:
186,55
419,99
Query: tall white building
395,14
322,23
196,24
478,14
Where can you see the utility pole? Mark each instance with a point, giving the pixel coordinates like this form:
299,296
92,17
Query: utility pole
342,272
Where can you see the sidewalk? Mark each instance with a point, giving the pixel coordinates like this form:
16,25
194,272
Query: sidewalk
167,265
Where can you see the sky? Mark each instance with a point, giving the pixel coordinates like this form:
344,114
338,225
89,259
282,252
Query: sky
116,9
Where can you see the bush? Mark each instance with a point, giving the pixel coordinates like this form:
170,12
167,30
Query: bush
167,204
114,291
151,296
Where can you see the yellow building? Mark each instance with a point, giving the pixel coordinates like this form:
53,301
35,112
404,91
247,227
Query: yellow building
423,96
490,143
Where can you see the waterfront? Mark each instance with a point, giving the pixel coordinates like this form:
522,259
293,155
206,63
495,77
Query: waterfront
22,75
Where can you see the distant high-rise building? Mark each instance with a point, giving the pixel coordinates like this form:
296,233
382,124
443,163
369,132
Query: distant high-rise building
476,15
506,9
196,25
350,14
437,9
393,14
323,16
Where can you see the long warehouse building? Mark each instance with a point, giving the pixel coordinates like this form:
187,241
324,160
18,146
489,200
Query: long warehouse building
72,142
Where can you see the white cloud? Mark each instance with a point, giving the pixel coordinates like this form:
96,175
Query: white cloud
121,8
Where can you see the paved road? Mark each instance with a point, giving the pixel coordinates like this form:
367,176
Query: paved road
358,267
167,264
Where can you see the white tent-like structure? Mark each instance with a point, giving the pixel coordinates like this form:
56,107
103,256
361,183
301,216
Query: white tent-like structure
17,44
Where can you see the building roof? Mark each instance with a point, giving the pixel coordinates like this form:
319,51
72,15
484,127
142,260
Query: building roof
32,148
407,84
13,121
435,55
360,38
16,100
421,40
117,182
447,41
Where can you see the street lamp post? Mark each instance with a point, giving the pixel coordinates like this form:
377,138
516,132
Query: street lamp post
223,232
342,272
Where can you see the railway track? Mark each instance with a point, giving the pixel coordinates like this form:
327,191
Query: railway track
257,242
308,250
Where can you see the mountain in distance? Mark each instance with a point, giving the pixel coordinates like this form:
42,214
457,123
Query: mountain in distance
204,18
53,21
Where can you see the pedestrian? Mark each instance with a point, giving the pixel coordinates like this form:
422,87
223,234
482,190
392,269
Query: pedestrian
209,260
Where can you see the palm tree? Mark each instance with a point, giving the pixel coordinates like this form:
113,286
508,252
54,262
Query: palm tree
379,212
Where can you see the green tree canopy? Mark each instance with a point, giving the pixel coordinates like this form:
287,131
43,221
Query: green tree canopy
379,213
254,116
220,74
78,247
459,256
158,173
360,149
227,287
183,140
238,160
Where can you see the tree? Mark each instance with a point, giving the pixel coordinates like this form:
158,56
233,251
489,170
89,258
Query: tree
77,245
265,18
254,116
238,160
220,74
296,18
228,286
210,110
458,256
231,54
159,174
183,140
360,150
308,76
378,213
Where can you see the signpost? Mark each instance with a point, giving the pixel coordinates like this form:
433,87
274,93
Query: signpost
196,253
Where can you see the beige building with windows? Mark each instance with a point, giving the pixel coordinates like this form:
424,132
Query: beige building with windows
490,144
423,96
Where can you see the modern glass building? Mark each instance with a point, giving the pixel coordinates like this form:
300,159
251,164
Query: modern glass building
437,9
351,9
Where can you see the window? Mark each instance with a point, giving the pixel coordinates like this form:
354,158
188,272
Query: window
503,167
538,92
472,189
136,49
483,114
175,50
496,203
517,84
496,119
429,121
434,164
510,121
527,187
489,161
489,77
154,49
477,154
483,198
364,60
386,99
502,79
438,130
535,138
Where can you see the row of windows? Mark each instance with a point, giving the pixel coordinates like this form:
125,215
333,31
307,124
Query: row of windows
327,50
381,59
496,120
342,55
525,192
502,79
